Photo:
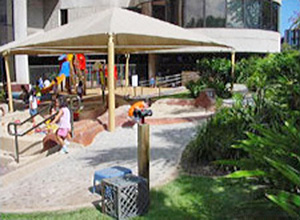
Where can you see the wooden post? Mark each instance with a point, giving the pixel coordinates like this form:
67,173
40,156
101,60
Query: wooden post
111,89
144,151
10,100
232,67
127,70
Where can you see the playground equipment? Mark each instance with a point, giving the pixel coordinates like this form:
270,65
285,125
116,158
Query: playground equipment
59,79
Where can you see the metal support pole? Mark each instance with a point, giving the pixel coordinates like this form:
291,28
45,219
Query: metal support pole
16,143
144,151
127,70
10,100
111,89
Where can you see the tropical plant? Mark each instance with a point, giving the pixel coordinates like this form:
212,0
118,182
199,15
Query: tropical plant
215,137
274,160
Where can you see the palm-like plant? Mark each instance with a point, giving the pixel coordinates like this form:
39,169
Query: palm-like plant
274,160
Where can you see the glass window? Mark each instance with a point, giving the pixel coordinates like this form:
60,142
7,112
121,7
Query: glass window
193,11
159,10
173,11
235,14
275,16
215,13
266,14
63,16
252,13
6,21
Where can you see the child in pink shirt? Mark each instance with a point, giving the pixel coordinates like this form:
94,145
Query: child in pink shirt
64,122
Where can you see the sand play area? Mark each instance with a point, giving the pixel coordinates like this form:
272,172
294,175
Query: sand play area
64,181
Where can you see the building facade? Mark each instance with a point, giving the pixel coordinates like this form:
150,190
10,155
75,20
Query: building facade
292,37
250,26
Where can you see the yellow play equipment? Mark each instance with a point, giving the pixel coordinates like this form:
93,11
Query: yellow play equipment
59,79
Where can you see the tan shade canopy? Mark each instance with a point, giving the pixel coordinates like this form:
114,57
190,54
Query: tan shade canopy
132,32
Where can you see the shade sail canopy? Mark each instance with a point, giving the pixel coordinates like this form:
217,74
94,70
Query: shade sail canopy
132,32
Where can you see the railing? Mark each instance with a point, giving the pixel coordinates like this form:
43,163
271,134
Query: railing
161,82
16,134
74,105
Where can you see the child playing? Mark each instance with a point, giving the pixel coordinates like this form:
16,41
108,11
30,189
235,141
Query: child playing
64,122
52,128
55,88
137,109
33,105
80,89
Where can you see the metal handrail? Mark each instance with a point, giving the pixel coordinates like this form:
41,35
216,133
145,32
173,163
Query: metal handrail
72,99
28,130
31,117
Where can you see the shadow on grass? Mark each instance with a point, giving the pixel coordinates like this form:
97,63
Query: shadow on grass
209,198
186,198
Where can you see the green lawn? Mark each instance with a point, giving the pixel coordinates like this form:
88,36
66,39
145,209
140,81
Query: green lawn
186,198
183,95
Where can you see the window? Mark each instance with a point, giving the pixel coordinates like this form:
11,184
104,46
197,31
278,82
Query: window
235,14
193,13
266,14
252,13
159,10
6,22
174,12
63,16
215,13
275,16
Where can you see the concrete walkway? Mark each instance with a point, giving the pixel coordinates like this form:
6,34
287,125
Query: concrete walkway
64,181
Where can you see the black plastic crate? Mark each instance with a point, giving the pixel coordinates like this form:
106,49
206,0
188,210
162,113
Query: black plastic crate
125,197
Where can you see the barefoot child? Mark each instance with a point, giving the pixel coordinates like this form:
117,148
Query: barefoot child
64,122
33,105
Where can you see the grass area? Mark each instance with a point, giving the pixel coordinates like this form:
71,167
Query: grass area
185,198
183,95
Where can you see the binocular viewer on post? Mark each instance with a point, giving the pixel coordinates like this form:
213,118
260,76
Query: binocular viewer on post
142,114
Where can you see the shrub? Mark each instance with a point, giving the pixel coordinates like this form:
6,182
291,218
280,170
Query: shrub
215,137
274,159
214,73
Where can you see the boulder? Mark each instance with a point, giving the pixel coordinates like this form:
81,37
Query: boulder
206,99
50,144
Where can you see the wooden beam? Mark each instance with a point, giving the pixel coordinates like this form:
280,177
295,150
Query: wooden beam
111,84
10,100
127,70
144,151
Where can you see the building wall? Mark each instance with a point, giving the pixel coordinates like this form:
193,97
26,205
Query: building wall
68,4
245,40
51,14
35,16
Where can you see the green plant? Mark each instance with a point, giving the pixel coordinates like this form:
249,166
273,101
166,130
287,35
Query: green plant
2,96
214,73
215,137
195,88
274,159
244,68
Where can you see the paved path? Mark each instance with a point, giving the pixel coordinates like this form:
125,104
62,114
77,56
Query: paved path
64,181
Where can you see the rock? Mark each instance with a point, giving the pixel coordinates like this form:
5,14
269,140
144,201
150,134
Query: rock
206,99
3,109
50,144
